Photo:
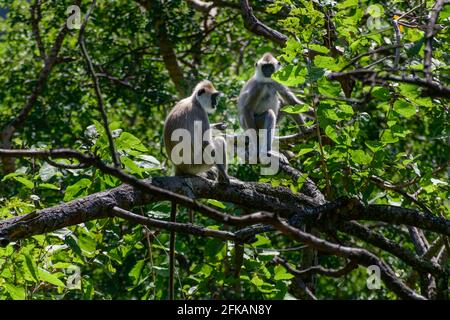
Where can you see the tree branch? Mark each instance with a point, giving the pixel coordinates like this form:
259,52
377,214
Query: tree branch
8,131
431,29
187,228
35,10
98,93
254,25
166,47
336,273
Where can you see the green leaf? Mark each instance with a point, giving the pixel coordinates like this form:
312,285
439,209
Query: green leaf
347,4
27,183
136,271
319,48
131,165
257,281
127,141
291,75
50,278
30,267
261,241
46,172
332,134
11,175
374,146
87,243
327,63
281,274
404,108
299,108
388,137
216,203
148,161
381,93
331,115
16,292
77,189
360,157
48,186
304,151
375,10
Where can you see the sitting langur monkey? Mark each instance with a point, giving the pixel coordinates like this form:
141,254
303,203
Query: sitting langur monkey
189,120
259,101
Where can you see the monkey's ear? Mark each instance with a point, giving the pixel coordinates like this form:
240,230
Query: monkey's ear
201,91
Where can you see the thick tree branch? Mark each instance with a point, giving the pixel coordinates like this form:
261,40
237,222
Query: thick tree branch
364,233
254,25
359,255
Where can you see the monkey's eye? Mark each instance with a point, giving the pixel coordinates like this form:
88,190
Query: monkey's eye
279,63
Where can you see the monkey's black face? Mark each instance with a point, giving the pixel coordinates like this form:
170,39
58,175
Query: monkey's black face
215,99
268,69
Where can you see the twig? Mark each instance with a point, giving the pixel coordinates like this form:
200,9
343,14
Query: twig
368,53
186,228
428,50
336,273
433,88
365,234
322,153
359,255
67,166
8,131
388,186
397,40
35,10
98,93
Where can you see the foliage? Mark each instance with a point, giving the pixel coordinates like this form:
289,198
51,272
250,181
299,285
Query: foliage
388,130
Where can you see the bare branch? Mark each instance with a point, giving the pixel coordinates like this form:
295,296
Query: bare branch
349,267
98,93
166,47
359,255
257,27
432,88
431,29
8,131
187,228
35,10
365,234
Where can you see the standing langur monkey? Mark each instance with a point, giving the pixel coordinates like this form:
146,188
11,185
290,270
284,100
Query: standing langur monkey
259,100
189,120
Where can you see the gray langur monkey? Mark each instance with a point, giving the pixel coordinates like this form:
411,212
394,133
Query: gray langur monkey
185,115
260,99
188,114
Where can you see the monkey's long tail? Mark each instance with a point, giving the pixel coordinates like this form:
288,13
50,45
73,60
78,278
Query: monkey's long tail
173,215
